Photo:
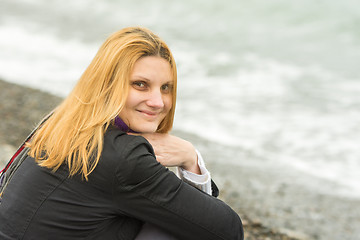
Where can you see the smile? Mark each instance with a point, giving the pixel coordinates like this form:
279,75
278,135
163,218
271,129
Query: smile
148,114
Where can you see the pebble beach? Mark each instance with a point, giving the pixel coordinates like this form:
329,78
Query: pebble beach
280,210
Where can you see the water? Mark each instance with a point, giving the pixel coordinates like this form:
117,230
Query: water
276,79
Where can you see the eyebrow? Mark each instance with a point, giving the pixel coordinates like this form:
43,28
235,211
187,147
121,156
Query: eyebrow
136,77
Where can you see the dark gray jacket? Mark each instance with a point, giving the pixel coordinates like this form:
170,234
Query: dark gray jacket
128,187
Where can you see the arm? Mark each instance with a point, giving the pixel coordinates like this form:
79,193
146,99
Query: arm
201,181
173,151
148,191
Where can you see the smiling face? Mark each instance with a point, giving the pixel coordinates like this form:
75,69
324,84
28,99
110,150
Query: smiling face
150,94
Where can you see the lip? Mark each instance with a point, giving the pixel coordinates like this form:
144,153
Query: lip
149,114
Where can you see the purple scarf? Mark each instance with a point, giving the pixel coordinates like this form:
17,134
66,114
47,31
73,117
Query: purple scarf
122,125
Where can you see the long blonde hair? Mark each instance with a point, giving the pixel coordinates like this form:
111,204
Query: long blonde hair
73,135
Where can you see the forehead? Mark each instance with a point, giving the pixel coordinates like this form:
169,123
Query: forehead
152,68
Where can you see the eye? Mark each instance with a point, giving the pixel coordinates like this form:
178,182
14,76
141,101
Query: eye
166,88
139,85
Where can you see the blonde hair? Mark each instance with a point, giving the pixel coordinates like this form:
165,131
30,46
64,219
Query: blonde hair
74,133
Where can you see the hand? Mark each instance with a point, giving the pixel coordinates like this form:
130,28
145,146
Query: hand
173,151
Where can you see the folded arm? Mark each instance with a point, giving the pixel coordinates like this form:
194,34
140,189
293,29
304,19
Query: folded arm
148,191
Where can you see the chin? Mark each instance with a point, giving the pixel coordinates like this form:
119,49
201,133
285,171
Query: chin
146,129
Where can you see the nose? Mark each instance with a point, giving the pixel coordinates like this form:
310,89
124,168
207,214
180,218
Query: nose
155,99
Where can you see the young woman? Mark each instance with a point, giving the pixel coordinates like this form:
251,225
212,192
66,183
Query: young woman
97,168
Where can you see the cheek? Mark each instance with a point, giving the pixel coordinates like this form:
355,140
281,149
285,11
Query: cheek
133,99
168,103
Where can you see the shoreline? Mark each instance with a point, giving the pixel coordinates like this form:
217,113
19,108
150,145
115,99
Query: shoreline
272,205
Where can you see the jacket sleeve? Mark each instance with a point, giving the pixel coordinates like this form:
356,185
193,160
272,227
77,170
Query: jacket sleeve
146,190
201,181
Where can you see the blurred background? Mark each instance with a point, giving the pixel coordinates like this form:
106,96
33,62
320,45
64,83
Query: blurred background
272,86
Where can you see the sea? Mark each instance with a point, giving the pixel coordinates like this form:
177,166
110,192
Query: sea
276,79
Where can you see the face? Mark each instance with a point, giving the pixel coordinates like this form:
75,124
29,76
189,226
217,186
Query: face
150,94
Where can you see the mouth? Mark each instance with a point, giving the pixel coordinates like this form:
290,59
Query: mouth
148,114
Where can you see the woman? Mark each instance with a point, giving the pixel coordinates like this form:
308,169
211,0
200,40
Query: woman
90,176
